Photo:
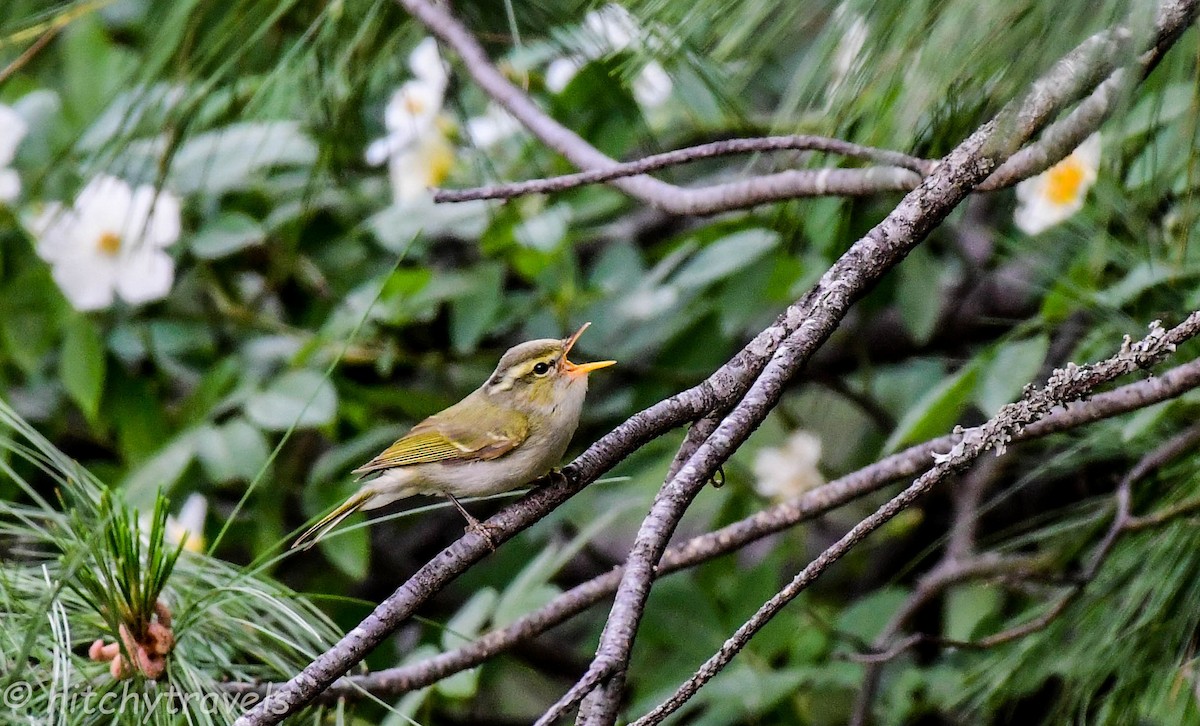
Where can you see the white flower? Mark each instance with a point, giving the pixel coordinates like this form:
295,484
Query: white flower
612,29
12,130
415,148
492,127
560,72
790,470
111,241
614,26
1057,193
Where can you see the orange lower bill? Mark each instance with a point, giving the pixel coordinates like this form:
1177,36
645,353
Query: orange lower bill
582,369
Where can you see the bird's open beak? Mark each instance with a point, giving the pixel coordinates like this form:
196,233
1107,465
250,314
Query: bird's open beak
580,369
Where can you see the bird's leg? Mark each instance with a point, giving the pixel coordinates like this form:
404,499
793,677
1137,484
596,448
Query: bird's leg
556,476
474,525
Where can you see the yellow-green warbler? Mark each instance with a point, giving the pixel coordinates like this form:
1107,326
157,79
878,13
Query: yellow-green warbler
508,432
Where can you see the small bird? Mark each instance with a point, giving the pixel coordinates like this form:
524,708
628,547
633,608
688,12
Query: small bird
508,432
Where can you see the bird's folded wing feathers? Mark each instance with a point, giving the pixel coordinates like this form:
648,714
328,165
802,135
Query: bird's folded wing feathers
436,439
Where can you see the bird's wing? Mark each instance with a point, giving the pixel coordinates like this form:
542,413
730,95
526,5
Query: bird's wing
489,433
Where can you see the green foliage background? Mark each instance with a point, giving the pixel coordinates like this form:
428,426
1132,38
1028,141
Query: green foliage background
312,320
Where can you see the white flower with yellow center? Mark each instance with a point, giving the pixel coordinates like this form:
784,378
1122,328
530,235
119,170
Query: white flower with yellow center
111,242
12,129
185,528
612,29
790,470
415,148
1057,193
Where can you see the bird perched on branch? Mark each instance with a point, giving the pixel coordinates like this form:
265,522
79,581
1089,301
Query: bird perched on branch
508,432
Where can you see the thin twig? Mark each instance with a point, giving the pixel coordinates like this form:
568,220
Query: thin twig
668,197
1161,517
959,562
686,155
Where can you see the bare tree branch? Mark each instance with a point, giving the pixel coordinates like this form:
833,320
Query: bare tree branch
1066,384
702,548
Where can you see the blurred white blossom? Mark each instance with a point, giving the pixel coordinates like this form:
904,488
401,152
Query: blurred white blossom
612,29
12,130
1057,193
492,127
110,242
415,148
186,527
789,470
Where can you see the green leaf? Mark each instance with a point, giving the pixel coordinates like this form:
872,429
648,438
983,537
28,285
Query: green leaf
227,234
1144,420
1016,363
93,68
726,256
81,365
967,606
1158,109
461,629
396,226
937,411
160,472
349,551
544,232
866,618
1143,277
31,314
470,619
303,398
472,313
231,157
919,294
235,451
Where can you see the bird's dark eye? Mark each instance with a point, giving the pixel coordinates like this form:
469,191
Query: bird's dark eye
541,368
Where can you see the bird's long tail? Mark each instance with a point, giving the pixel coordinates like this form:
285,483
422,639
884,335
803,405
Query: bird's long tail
313,534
